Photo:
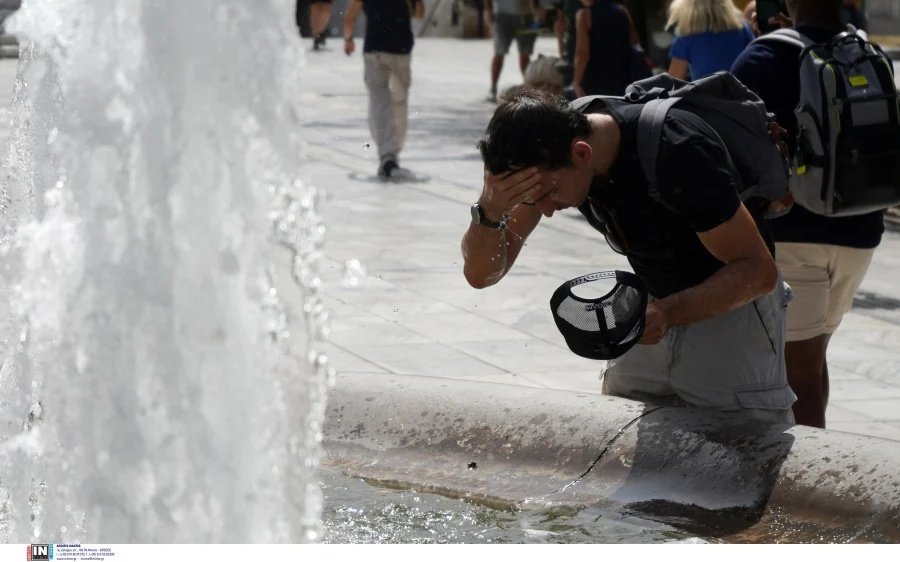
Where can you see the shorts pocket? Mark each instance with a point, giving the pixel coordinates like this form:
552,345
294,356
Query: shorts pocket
765,396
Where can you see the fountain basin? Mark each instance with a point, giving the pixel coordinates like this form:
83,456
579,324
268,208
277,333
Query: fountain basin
718,475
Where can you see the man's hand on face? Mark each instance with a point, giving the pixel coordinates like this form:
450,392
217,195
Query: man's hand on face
655,324
502,192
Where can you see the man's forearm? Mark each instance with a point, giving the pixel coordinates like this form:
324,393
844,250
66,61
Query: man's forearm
734,285
485,255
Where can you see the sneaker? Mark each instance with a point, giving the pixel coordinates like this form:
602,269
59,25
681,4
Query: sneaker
318,41
492,96
386,168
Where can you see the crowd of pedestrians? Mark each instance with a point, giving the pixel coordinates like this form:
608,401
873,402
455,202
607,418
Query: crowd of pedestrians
742,300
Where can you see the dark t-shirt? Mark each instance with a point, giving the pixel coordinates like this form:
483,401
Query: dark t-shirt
696,185
607,70
772,70
389,26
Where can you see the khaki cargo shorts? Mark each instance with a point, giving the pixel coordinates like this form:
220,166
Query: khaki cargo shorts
824,279
734,362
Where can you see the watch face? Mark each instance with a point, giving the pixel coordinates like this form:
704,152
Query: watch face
476,213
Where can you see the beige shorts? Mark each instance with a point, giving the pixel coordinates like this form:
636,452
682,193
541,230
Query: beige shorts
824,279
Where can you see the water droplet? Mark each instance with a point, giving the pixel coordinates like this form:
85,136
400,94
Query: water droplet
354,273
366,146
63,529
396,310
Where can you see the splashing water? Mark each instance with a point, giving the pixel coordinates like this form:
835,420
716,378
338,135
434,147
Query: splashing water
161,378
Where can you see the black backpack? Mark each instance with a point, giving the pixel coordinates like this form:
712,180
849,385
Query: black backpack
735,113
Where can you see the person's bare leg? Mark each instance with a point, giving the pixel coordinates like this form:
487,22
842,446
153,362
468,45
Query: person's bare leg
523,62
496,68
559,28
826,386
319,16
807,373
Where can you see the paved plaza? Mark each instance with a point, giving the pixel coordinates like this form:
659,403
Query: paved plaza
411,312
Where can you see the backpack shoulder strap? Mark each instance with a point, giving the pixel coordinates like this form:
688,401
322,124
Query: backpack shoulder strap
649,138
785,36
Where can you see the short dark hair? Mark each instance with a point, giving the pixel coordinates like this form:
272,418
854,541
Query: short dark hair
532,128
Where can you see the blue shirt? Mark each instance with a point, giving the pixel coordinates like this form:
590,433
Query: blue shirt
772,71
710,52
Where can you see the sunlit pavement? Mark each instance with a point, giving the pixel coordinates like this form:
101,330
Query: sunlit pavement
412,312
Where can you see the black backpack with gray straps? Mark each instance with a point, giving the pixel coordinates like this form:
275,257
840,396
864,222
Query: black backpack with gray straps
848,140
737,115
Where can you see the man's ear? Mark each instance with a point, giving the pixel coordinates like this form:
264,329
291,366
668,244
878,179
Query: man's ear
581,151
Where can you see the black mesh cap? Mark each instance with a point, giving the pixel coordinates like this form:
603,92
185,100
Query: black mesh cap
603,328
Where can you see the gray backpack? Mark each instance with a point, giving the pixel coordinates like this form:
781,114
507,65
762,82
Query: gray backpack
848,143
735,113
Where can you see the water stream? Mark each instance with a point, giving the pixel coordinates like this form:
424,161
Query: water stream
161,324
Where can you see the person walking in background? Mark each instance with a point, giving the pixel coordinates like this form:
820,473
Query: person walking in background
824,259
510,19
387,57
604,39
319,16
709,36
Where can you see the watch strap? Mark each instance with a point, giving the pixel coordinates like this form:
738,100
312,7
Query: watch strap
481,219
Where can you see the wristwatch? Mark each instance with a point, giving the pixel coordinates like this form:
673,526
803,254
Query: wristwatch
479,218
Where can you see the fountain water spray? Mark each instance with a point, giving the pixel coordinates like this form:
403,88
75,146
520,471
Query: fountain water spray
162,379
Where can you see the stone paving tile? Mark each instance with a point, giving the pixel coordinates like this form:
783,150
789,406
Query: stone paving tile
536,323
882,410
434,359
864,389
346,362
533,356
871,428
837,416
460,327
351,332
584,380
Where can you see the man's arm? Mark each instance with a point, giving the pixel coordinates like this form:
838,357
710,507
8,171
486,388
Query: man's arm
749,273
582,49
489,253
489,11
349,23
